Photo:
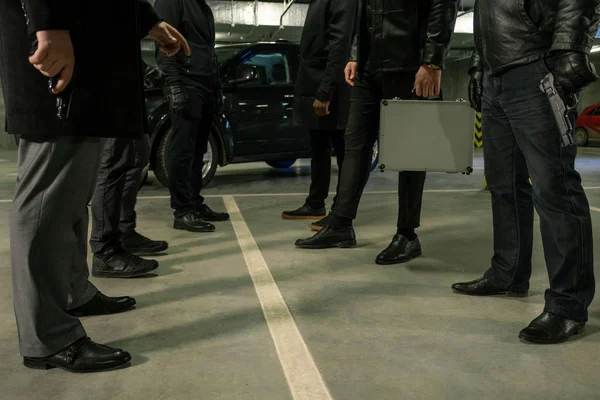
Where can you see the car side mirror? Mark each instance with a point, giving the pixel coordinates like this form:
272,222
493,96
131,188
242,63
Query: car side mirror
245,74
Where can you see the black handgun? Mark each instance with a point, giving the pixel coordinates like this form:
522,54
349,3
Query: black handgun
560,110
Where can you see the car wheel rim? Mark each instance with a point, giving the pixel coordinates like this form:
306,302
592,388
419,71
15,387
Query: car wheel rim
208,158
375,154
580,137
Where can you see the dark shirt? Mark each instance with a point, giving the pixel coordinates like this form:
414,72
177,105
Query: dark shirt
195,21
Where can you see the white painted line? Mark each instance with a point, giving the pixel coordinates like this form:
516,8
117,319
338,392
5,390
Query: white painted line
301,372
595,209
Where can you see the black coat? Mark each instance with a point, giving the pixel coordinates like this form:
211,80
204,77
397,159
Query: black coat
401,35
107,87
513,33
324,52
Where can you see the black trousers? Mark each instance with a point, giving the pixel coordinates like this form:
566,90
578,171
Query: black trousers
187,147
322,143
361,133
522,141
119,179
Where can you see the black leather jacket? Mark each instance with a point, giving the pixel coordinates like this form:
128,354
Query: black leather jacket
402,35
518,32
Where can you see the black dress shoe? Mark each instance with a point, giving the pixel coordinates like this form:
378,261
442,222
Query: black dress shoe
82,356
117,263
193,222
329,237
305,212
485,287
399,251
102,305
550,328
209,215
135,243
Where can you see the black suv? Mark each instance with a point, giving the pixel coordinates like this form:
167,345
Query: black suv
257,125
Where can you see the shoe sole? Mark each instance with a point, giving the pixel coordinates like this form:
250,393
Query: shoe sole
44,365
112,274
303,217
526,340
500,294
348,244
316,228
400,261
195,230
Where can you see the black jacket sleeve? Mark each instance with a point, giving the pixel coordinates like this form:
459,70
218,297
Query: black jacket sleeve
171,11
440,26
341,24
476,64
576,25
148,17
355,39
47,15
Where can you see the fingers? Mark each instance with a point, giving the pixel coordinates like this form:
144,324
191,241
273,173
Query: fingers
176,37
170,49
418,89
64,79
40,55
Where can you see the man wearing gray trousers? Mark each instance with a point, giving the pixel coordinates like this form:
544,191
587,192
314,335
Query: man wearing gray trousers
58,158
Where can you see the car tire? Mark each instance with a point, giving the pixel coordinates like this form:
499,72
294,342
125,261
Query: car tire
281,164
375,155
162,155
581,137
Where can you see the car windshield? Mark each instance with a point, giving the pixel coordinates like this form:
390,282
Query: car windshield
224,53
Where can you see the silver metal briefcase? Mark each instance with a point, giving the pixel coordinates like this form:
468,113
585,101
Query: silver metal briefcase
434,136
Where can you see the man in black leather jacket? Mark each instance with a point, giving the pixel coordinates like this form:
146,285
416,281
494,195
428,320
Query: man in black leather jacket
518,44
194,92
388,60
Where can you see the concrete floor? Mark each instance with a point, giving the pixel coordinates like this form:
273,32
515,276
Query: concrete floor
354,330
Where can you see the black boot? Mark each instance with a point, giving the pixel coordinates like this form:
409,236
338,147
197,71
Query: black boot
101,305
328,237
134,243
550,328
117,263
82,356
484,287
209,215
193,222
305,212
399,251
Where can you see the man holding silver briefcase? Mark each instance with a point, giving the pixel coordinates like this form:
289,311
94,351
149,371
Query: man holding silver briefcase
398,51
532,59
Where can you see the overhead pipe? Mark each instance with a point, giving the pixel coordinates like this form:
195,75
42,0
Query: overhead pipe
281,26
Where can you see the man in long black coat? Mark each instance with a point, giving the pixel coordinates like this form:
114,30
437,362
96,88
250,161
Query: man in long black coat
322,100
58,158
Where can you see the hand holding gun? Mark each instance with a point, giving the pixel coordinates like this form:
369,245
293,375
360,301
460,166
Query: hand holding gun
560,111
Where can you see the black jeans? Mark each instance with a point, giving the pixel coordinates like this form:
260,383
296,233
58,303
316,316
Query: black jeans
119,179
522,141
322,142
187,147
361,133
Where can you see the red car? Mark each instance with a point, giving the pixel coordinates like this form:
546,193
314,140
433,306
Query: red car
587,126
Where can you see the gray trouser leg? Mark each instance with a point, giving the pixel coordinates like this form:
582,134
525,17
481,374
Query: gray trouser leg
48,231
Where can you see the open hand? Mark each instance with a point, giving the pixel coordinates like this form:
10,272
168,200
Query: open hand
428,82
54,57
169,40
